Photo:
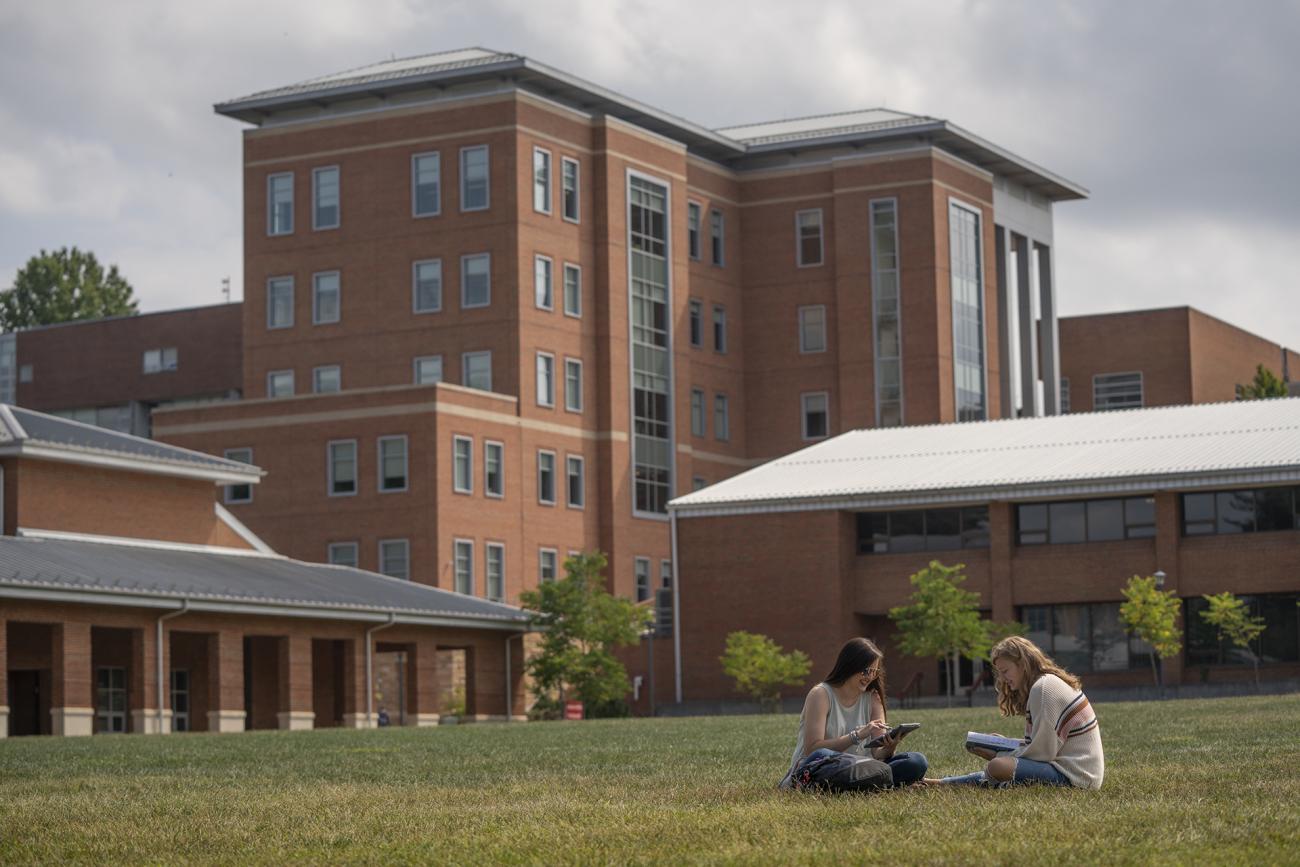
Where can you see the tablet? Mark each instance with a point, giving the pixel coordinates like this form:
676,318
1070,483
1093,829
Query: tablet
896,731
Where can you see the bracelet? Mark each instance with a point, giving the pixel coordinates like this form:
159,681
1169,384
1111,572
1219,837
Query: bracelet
853,733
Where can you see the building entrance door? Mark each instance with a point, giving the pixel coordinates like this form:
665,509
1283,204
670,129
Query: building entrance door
28,706
110,699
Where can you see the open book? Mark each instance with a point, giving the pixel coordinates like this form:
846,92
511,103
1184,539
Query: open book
996,743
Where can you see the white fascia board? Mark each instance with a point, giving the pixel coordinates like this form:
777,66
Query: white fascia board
154,466
241,529
154,544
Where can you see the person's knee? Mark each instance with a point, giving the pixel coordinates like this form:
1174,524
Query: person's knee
1001,769
910,768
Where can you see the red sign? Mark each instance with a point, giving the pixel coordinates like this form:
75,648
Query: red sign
573,710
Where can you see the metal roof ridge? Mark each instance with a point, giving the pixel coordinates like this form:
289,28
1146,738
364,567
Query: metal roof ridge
844,113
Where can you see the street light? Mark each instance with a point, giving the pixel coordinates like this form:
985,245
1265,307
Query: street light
1160,663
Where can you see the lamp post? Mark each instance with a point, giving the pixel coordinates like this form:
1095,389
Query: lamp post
1160,663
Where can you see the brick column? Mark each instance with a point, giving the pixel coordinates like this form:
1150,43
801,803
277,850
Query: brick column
226,681
72,698
1002,528
142,693
354,685
4,679
422,683
1167,536
295,683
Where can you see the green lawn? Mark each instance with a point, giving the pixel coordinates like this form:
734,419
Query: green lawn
1209,781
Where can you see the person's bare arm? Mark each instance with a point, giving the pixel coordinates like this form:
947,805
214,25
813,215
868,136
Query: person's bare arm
816,709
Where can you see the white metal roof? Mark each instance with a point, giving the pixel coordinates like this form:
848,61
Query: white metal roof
1220,445
806,128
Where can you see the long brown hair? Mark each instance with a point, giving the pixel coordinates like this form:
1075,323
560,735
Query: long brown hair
856,656
1033,663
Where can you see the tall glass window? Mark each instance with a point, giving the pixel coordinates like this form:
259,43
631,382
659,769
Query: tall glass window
464,558
462,460
392,463
426,286
279,204
966,269
543,282
325,298
572,290
325,198
545,379
541,180
475,280
494,481
279,302
651,372
343,468
885,313
428,369
474,178
395,558
546,477
569,188
496,571
426,187
808,227
812,328
693,229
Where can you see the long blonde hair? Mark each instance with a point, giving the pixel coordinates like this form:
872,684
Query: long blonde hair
1033,662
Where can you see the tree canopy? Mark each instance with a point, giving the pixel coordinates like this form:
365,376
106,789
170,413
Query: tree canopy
1232,620
1152,615
760,668
1265,384
63,286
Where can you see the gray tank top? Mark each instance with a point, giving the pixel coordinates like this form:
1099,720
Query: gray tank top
839,721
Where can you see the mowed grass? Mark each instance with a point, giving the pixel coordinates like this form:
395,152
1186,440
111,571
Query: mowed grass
1208,781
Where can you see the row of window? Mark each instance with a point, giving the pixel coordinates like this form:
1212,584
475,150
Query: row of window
475,372
1279,642
717,234
1109,391
1258,510
1086,521
494,472
159,360
923,530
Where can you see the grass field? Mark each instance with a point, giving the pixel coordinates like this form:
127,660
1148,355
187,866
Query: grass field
1209,781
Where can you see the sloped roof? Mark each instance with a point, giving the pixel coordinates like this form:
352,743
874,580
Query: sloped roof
121,574
1222,444
821,126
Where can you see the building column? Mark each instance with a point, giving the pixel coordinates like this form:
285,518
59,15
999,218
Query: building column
1167,536
1028,333
1001,548
226,712
422,683
354,685
72,699
1049,340
1006,336
295,683
4,678
143,690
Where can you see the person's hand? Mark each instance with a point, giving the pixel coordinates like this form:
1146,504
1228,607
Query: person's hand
873,729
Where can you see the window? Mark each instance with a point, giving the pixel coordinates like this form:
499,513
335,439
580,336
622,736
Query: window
426,286
572,290
812,328
569,183
966,276
475,280
1116,391
719,328
715,223
239,493
697,413
573,385
342,554
808,231
541,180
474,178
496,571
885,315
342,468
476,370
1244,511
428,369
426,184
721,418
546,563
1279,642
649,295
180,691
1085,521
696,320
26,372
462,460
923,530
574,465
279,383
1065,395
666,574
325,198
494,469
158,360
326,379
693,229
1084,638
699,483
545,379
464,566
279,204
325,298
546,477
279,302
392,464
395,558
543,284
110,699
641,568
816,415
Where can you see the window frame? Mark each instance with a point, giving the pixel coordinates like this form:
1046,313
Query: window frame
456,546
406,547
548,183
717,238
640,593
566,161
569,462
270,301
415,369
543,266
456,487
821,238
500,447
487,571
464,367
1141,392
226,497
487,177
803,406
719,329
569,404
416,213
804,310
270,205
315,378
316,172
542,551
464,261
695,323
329,468
694,249
406,463
721,410
576,311
703,427
415,286
554,472
315,297
270,378
544,398
330,548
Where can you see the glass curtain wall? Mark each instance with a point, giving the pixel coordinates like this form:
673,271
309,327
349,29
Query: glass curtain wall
651,378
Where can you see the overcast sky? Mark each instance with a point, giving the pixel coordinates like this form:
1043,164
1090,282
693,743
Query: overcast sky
1182,118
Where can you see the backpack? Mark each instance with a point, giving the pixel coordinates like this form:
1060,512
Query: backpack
842,772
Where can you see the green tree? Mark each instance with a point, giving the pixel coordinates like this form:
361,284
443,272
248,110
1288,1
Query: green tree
943,621
63,286
1232,620
1152,615
1265,384
761,669
581,625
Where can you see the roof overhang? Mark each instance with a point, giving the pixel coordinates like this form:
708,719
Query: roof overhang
118,461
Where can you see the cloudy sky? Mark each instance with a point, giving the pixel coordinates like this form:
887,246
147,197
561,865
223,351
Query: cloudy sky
1182,118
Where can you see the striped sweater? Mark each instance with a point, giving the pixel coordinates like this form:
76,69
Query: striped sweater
1061,728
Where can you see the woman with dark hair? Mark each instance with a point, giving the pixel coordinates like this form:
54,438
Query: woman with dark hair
847,710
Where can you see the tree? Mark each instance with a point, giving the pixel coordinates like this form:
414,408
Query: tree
1152,615
944,621
581,625
1265,384
64,286
761,669
1232,619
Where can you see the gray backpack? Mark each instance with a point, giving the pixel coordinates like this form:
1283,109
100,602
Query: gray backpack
842,772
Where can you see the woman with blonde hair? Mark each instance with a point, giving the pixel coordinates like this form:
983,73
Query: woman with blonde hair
1062,745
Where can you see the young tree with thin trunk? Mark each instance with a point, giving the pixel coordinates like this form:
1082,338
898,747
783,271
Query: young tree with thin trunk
1152,615
1232,620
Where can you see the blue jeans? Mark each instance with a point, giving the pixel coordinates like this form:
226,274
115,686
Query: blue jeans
1027,771
906,768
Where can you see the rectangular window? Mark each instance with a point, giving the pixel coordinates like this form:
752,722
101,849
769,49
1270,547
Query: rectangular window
325,298
462,460
496,571
342,468
342,554
641,568
546,563
325,198
475,280
326,379
693,229
649,296
392,464
1065,395
279,302
696,320
573,385
570,189
816,415
1083,638
428,369
110,699
426,184
180,692
239,493
1278,643
159,360
721,418
474,178
966,277
426,286
699,483
464,566
717,236
545,379
808,231
279,383
697,413
719,329
279,204
1259,510
546,477
543,283
923,530
1101,520
575,471
541,180
395,558
476,370
1116,391
665,574
494,469
812,328
572,290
